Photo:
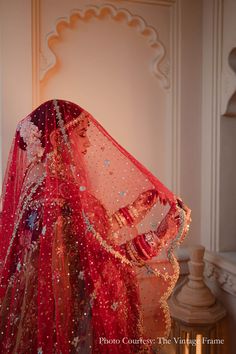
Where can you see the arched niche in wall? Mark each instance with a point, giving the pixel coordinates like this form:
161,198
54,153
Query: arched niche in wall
113,63
227,241
80,19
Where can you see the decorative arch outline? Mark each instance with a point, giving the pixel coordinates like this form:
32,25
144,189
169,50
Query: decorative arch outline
231,106
49,61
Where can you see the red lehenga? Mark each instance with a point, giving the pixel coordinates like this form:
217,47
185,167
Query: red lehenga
75,230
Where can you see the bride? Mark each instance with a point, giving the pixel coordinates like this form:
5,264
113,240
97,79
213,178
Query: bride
80,217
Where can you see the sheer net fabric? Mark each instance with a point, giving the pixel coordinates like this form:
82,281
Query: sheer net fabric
80,218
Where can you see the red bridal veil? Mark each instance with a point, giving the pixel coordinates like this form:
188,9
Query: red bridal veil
86,241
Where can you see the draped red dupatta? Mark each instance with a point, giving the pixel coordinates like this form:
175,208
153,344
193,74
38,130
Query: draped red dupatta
76,230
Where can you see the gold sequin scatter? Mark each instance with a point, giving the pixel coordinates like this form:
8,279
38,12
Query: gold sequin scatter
23,208
61,123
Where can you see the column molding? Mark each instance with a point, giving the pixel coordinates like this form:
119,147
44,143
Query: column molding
211,115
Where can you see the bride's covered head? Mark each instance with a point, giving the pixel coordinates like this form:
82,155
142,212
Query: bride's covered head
54,123
62,139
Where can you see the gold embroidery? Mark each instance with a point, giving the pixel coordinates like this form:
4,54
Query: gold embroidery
23,208
184,227
76,121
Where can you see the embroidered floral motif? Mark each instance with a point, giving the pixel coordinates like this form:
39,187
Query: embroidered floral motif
149,270
81,275
23,208
32,219
114,305
149,237
31,135
107,163
75,341
18,267
153,225
60,251
92,297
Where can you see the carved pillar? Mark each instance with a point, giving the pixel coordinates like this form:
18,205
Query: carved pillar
195,311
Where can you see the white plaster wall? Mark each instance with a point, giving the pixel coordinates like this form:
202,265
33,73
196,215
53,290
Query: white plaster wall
16,69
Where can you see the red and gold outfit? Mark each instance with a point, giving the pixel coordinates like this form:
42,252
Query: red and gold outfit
74,230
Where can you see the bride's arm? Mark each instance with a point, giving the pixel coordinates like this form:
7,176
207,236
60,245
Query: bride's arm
171,231
133,213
